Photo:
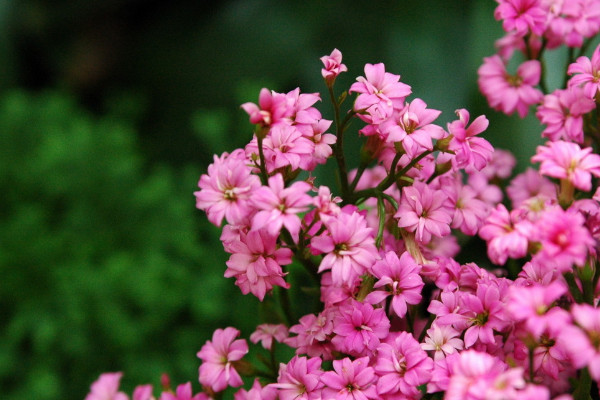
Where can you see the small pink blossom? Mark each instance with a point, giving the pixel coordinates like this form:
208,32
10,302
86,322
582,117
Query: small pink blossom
566,160
142,392
444,340
582,341
217,371
380,93
256,392
424,211
314,333
586,73
510,93
265,333
350,380
107,388
332,66
472,152
521,16
530,184
183,392
299,379
272,107
562,112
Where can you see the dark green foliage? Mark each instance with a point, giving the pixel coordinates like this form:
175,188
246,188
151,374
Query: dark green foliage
105,264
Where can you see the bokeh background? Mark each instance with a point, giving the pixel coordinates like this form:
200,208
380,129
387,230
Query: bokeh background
110,111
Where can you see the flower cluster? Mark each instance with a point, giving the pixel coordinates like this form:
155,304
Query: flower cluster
399,317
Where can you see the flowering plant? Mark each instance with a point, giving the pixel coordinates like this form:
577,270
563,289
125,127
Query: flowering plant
399,317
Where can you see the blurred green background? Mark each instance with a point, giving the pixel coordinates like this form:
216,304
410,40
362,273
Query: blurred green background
110,111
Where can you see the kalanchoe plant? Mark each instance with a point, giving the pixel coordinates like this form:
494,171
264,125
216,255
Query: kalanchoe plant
400,318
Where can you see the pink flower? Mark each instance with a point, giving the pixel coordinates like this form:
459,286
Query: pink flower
564,239
562,112
530,184
279,206
284,146
217,370
471,152
424,211
402,366
226,189
505,236
299,379
399,278
142,392
469,211
106,388
350,380
333,66
349,246
521,16
313,335
444,340
566,160
256,263
587,73
272,107
500,166
582,342
183,392
413,128
380,93
572,21
256,392
265,333
510,93
359,328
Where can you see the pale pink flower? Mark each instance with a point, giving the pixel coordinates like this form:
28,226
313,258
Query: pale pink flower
280,206
566,160
217,371
272,107
510,93
425,211
256,263
299,379
265,333
332,66
471,152
350,380
402,366
500,166
349,247
530,184
226,189
443,340
562,112
107,387
380,93
256,392
399,278
521,16
413,128
183,392
359,328
506,236
469,211
587,74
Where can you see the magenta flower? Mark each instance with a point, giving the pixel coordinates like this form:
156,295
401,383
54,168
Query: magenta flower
279,206
402,366
107,388
469,210
399,278
349,246
530,184
471,152
256,392
510,93
562,112
226,189
586,73
284,146
272,107
521,16
256,263
566,160
359,328
332,66
313,335
217,371
425,211
350,380
299,379
380,93
142,392
572,22
183,392
582,342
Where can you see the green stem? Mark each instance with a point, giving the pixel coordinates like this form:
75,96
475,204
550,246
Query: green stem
531,357
584,386
381,216
338,149
264,177
284,301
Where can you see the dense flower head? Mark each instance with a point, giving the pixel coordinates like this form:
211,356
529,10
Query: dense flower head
217,371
